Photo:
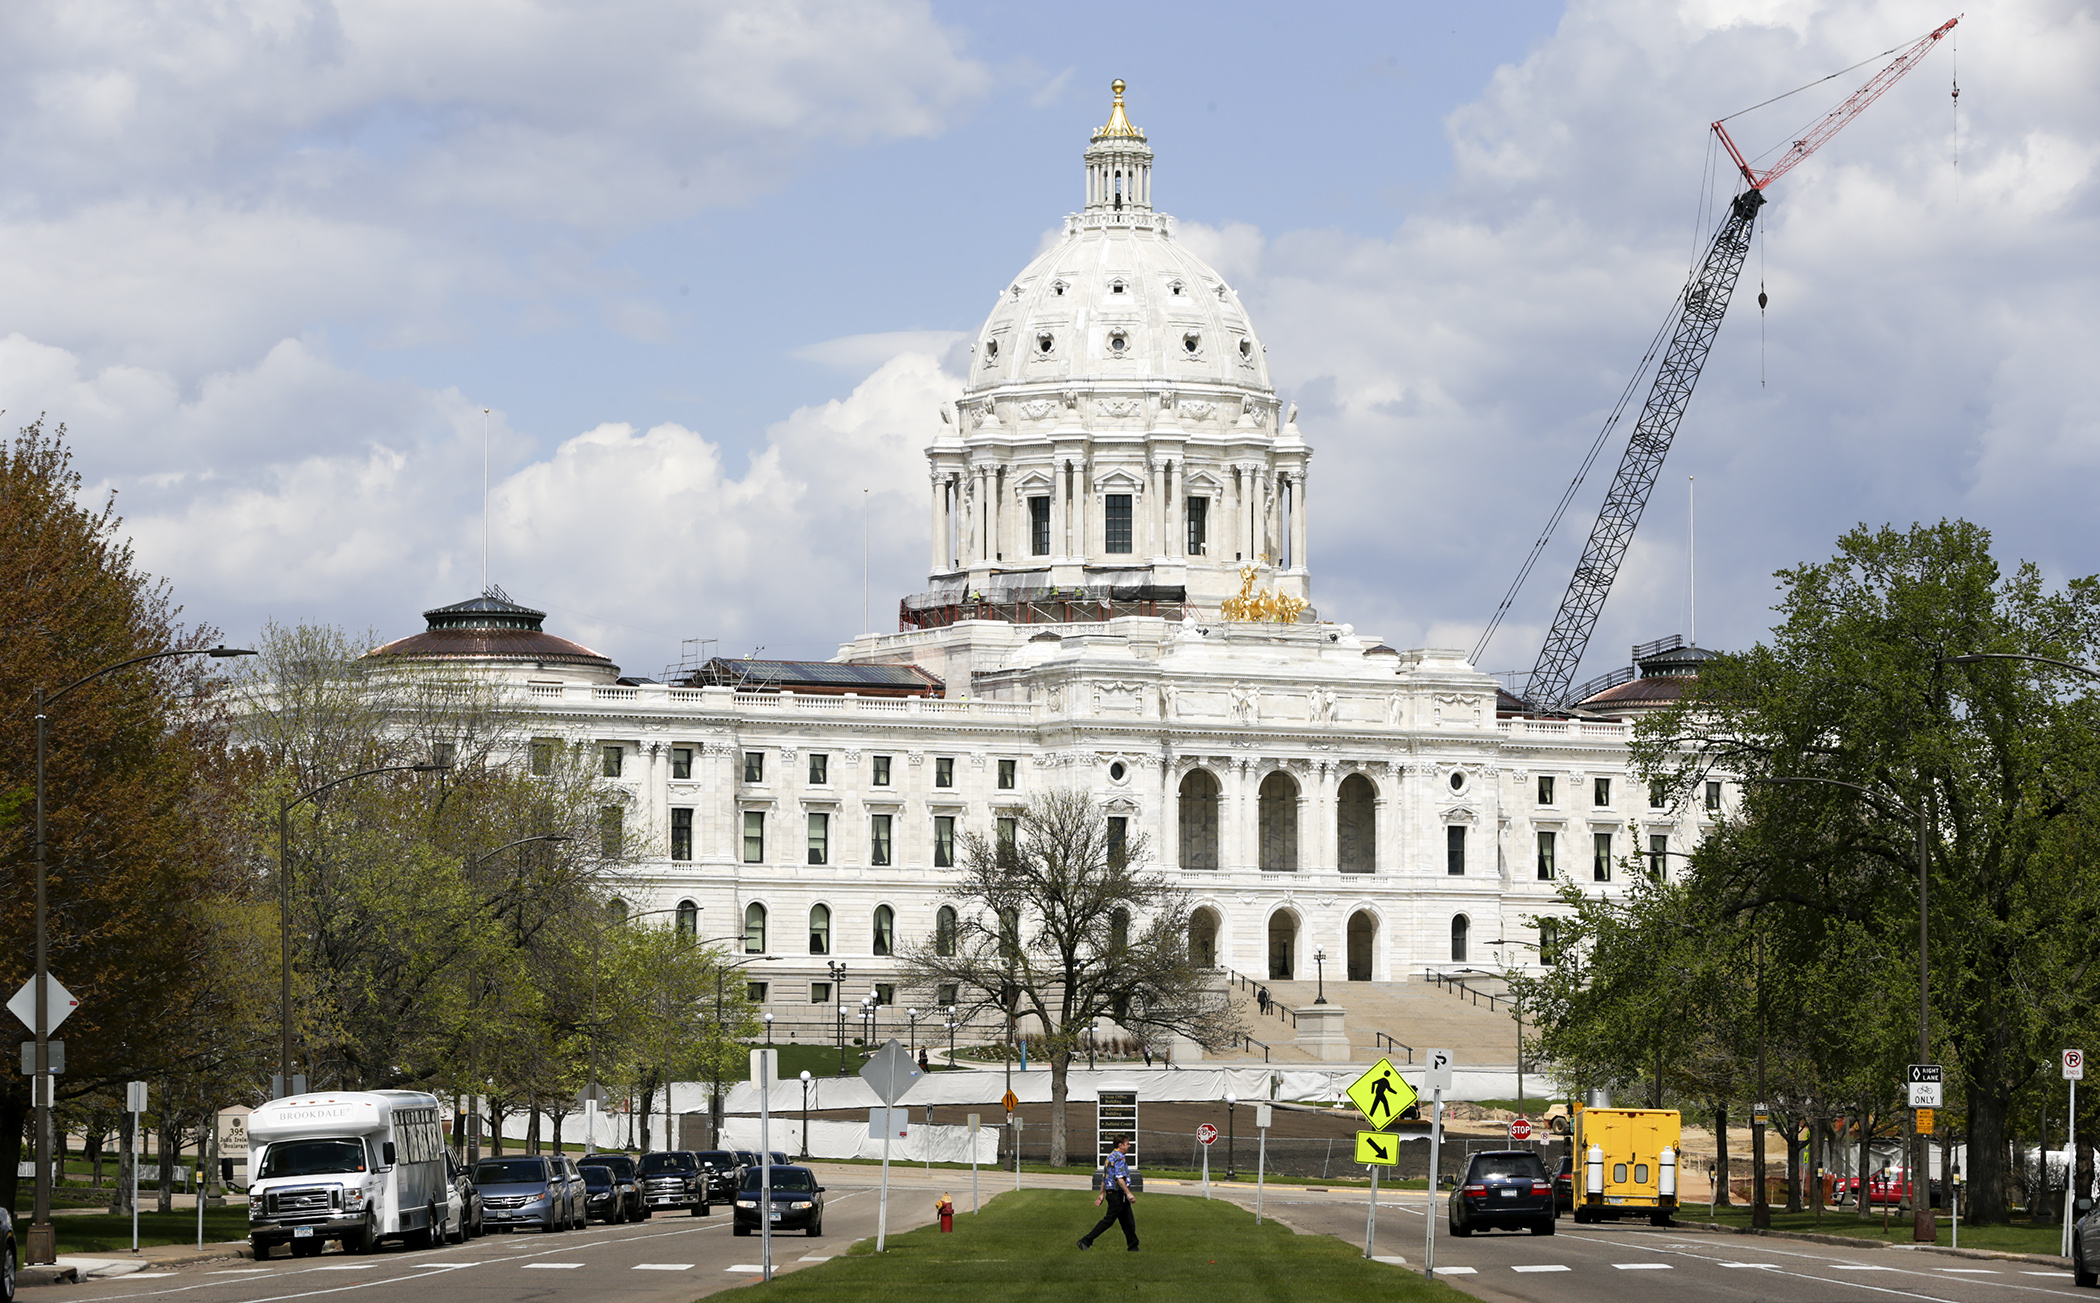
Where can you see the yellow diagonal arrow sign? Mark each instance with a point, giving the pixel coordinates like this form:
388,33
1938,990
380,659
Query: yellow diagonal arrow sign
1377,1148
1382,1095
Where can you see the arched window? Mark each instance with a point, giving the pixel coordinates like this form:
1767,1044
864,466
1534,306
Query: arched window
1203,938
820,929
1363,942
1356,825
1119,930
1278,806
885,929
754,929
616,910
1199,820
944,932
1283,945
688,918
1549,940
1460,927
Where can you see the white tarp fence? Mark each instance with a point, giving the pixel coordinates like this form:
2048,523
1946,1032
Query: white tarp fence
949,1144
1153,1085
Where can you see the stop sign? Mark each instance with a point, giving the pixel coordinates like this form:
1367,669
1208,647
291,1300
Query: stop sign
1207,1133
1520,1129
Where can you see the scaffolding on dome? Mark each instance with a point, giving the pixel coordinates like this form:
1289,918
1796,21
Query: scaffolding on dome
1073,604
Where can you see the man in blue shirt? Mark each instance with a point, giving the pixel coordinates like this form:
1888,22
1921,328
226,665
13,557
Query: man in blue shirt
1115,1191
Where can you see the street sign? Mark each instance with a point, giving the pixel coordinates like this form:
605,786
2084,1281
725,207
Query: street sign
1010,1100
1262,1114
1925,1121
1437,1074
2074,1065
1520,1129
55,1055
973,1123
1382,1094
1377,1148
23,1005
889,1122
1207,1133
1925,1085
134,1097
891,1072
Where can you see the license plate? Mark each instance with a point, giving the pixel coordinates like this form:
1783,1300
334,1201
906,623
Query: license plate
776,1217
1615,1199
1508,1194
302,1232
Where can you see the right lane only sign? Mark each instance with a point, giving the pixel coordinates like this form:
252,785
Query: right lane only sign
1925,1084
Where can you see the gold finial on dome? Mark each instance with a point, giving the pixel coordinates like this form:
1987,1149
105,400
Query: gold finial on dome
1118,124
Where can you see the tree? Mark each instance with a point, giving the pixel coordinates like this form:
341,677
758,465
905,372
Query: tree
1057,924
139,798
2001,758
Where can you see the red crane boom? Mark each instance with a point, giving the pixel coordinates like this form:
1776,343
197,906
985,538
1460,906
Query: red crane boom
1835,120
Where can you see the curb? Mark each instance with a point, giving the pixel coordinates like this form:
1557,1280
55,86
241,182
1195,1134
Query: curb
1857,1242
46,1275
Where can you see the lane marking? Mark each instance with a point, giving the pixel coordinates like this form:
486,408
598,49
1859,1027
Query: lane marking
1796,1274
1389,1259
1859,1266
747,1267
1753,1266
551,1266
1460,1271
663,1266
354,1266
1645,1266
2053,1275
237,1271
1969,1271
1540,1267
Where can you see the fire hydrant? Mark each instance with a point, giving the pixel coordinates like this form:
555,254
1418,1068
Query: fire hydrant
946,1208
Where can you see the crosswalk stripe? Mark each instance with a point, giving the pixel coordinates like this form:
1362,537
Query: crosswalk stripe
1461,1271
1754,1266
1540,1267
663,1266
1858,1266
745,1267
553,1266
1644,1266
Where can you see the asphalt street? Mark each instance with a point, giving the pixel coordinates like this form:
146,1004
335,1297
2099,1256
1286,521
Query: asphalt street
667,1259
673,1259
1632,1262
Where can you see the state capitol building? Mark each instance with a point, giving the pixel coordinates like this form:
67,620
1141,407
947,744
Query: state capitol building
1114,484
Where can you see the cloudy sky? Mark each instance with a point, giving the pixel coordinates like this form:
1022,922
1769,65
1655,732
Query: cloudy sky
706,265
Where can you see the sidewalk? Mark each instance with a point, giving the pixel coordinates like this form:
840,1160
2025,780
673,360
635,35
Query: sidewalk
157,1259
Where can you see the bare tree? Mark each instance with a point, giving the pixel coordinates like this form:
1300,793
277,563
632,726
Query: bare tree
1055,923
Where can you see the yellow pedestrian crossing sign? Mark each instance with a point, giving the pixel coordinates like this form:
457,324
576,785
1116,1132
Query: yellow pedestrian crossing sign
1381,1095
1377,1148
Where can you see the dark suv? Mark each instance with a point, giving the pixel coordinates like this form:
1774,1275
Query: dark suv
1503,1188
672,1178
725,1172
1564,1186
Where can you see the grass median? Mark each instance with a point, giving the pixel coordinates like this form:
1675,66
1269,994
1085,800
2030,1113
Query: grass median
101,1233
1021,1248
2021,1236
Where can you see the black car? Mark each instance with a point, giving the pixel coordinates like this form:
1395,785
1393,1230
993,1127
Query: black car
608,1196
673,1178
2085,1244
1503,1188
8,1257
472,1216
725,1172
1564,1186
798,1201
628,1169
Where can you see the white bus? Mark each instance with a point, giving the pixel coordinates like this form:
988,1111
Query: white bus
357,1167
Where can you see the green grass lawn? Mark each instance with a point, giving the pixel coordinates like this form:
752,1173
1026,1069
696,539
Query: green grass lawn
102,1233
1021,1248
823,1060
2022,1236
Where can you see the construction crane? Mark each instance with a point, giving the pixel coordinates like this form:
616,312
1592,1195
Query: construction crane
1694,320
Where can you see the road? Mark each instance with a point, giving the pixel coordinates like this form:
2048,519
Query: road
673,1259
667,1259
1633,1262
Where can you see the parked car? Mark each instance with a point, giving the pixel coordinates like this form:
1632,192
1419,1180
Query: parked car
8,1256
608,1196
798,1201
2085,1246
673,1178
1564,1186
625,1166
472,1215
531,1189
1505,1188
725,1173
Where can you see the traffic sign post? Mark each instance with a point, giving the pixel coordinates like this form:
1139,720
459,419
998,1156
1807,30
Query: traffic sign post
1520,1130
1262,1114
2074,1072
1208,1135
892,1073
1436,1075
1381,1095
973,1162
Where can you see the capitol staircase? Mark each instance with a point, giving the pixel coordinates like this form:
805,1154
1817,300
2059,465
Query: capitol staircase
1383,1019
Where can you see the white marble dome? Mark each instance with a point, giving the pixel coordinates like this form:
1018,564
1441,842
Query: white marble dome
1118,301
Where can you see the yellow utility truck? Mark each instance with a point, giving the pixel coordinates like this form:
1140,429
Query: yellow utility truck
1626,1163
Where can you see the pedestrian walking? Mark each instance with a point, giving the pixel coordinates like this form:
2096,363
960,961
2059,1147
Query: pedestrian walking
1261,1001
922,1059
1116,1193
1146,1046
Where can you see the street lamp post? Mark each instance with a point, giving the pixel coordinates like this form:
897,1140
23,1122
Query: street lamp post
912,1016
838,991
42,1242
284,896
1232,1108
1320,968
767,1019
805,1115
842,1040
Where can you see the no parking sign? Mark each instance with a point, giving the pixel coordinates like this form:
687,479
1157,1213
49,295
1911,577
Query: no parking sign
2074,1065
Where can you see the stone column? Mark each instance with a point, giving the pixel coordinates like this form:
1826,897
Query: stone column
939,502
1326,840
1235,778
1156,518
1298,519
1082,512
1058,480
